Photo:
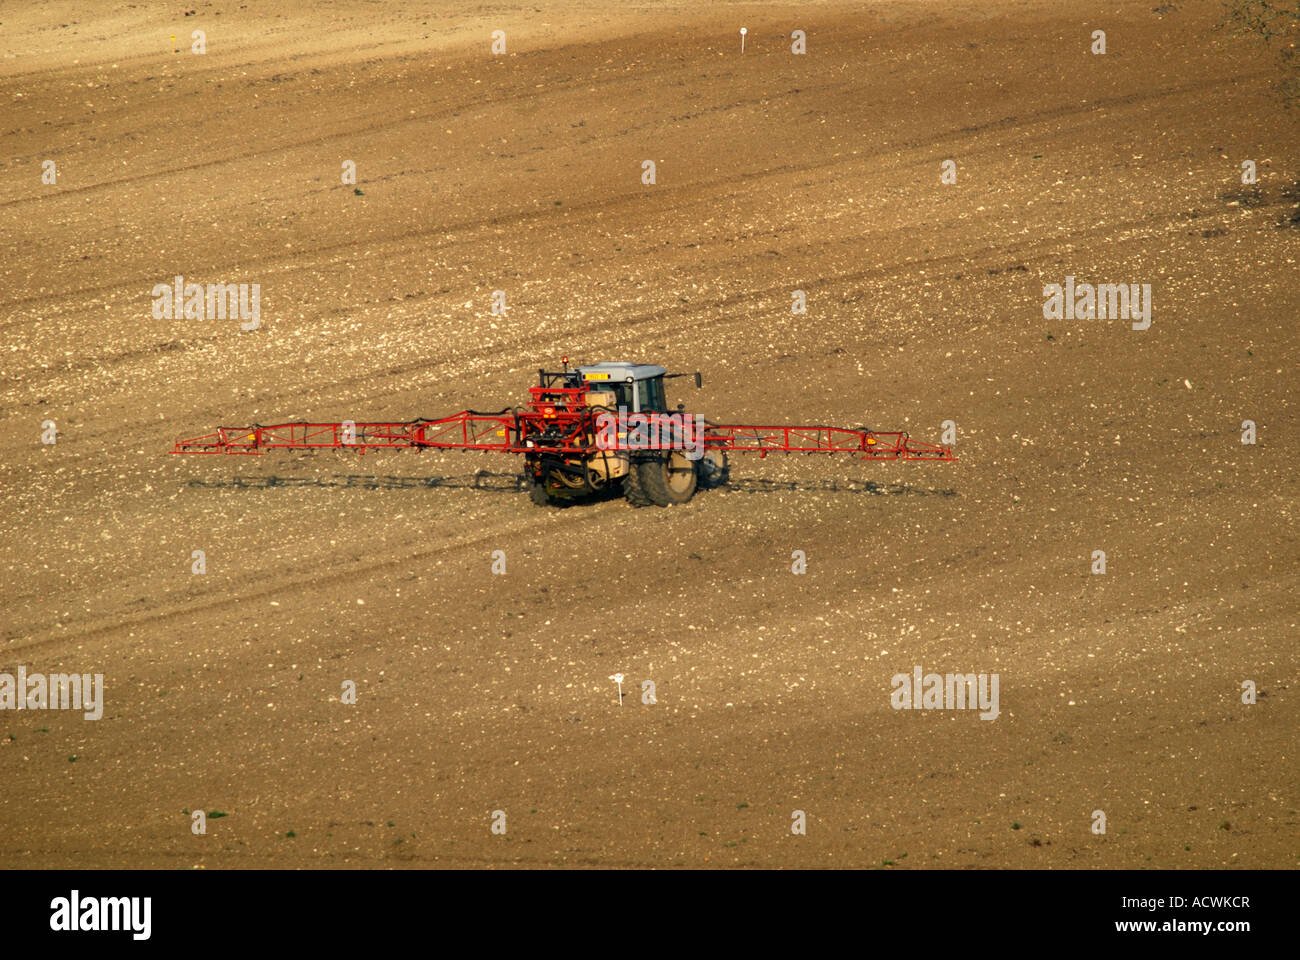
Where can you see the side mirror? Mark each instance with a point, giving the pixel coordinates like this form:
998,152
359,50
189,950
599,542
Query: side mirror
699,380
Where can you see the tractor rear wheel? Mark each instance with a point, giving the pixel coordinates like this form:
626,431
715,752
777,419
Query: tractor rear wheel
714,471
664,481
549,487
537,493
632,488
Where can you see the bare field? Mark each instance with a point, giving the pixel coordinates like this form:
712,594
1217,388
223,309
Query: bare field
775,172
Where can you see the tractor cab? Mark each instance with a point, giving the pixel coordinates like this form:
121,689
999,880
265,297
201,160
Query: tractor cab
638,387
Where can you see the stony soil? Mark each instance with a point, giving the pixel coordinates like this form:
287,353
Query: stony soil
775,172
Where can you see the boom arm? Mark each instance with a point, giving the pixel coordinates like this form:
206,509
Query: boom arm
467,430
554,431
869,444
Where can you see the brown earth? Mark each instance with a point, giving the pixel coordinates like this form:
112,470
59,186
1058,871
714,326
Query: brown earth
776,172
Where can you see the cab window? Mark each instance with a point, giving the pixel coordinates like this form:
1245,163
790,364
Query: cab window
652,395
622,391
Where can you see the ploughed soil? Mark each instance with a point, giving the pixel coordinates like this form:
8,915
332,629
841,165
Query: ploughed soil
478,692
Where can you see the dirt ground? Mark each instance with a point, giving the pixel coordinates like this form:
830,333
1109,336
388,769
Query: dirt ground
776,172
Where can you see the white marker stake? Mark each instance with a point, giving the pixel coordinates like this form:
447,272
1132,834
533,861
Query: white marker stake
743,31
618,678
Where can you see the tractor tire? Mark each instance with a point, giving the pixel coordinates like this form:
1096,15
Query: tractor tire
668,481
537,493
713,469
633,490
